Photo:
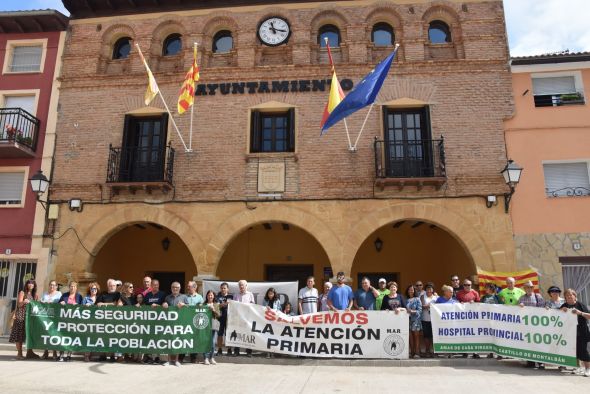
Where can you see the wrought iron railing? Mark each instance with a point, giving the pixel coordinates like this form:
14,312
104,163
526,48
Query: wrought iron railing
138,164
568,191
410,158
554,100
17,125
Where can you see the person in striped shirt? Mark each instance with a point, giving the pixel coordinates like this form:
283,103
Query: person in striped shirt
308,298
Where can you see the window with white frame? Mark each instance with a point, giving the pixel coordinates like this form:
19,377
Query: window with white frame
25,102
557,89
566,179
26,58
12,188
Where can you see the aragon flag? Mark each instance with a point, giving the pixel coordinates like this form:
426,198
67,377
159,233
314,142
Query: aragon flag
499,278
363,94
187,91
336,93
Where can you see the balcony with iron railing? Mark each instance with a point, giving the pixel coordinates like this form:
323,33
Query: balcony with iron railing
140,168
19,132
416,163
557,100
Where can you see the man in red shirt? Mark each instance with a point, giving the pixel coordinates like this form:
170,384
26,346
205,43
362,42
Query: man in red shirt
467,294
147,287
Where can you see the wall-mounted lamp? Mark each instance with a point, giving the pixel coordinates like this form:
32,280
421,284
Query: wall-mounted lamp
39,185
378,244
166,244
511,174
76,204
491,200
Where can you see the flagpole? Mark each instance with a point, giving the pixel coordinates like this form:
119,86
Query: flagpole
350,148
164,101
190,135
363,126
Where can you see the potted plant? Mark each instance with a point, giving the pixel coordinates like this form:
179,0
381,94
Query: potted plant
572,98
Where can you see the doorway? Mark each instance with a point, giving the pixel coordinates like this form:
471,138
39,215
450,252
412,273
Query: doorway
289,273
167,278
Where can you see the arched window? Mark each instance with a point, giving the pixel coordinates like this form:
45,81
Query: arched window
223,42
172,45
332,33
122,48
439,32
382,35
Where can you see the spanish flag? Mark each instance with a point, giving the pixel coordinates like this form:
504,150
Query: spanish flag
152,88
187,91
336,93
499,278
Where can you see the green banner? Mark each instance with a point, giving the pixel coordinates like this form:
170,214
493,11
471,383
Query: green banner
530,355
125,329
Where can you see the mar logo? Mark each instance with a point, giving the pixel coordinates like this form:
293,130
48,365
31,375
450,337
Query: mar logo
242,338
43,311
393,345
201,321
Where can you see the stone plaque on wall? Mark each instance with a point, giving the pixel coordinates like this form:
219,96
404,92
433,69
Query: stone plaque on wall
271,177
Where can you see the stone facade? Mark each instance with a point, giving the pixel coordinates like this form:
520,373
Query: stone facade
543,251
329,191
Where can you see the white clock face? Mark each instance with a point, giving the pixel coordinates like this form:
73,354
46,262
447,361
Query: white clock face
274,31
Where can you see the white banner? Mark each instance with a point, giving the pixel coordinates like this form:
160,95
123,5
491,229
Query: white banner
533,334
354,334
287,291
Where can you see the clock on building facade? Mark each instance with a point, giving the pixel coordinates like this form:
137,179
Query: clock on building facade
274,31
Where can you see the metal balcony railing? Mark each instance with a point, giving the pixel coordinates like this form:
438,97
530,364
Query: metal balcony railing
410,158
17,125
139,164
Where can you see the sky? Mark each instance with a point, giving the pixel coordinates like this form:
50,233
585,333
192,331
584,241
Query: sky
534,26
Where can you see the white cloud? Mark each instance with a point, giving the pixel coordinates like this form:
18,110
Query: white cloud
541,26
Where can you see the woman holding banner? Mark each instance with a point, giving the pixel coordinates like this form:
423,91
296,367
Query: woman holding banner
215,313
71,298
53,295
18,334
583,333
90,299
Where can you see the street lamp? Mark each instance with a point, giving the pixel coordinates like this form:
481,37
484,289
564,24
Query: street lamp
39,184
511,174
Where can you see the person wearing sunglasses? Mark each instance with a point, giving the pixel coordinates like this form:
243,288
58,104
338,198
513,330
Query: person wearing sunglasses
468,295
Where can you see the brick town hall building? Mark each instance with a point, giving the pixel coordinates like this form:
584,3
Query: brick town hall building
263,196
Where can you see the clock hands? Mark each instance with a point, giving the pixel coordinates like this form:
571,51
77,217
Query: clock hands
275,30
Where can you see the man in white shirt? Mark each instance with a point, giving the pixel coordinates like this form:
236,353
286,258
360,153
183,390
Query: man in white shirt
247,297
308,298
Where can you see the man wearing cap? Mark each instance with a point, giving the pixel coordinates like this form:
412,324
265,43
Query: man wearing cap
510,295
383,291
340,296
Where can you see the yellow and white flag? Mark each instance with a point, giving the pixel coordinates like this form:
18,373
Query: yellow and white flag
152,88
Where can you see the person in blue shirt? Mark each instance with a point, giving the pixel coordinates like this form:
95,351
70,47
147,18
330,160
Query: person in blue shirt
365,297
340,297
447,297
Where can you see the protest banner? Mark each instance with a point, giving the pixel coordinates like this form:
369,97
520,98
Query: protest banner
287,291
533,334
354,334
125,329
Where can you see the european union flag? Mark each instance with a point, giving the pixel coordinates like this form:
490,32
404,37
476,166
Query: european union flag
363,94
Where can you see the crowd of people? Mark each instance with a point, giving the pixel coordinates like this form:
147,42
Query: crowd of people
416,301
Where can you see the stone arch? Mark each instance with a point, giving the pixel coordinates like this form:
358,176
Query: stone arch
387,14
329,17
233,226
216,23
103,229
447,220
163,30
112,34
441,11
